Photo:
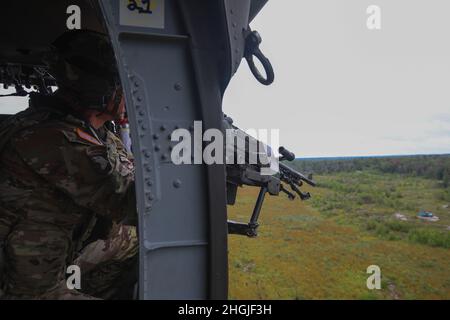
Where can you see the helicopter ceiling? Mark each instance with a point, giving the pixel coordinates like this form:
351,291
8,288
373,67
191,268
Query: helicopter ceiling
26,31
27,28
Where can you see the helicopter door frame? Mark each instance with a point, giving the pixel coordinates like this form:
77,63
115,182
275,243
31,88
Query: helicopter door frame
174,73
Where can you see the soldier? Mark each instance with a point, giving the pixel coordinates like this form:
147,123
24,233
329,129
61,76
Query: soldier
67,182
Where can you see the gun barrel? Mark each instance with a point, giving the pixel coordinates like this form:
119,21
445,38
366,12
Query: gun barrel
284,169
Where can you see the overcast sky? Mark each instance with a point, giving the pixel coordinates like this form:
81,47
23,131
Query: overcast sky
343,90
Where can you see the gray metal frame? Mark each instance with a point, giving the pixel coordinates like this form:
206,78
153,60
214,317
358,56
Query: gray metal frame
172,77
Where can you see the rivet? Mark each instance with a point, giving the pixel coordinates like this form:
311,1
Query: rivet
177,184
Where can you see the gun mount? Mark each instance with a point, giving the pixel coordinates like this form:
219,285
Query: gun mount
268,173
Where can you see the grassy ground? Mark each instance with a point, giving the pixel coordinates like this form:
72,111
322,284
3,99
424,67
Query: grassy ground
321,249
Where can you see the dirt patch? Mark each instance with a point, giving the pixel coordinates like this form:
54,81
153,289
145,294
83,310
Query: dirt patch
400,216
393,291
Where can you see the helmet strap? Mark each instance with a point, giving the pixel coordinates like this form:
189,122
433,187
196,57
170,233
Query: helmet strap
116,99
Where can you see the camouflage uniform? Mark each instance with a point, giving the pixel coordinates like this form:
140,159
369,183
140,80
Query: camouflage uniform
63,190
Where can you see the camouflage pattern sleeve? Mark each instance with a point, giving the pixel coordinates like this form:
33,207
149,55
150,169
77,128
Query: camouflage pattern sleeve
95,176
126,157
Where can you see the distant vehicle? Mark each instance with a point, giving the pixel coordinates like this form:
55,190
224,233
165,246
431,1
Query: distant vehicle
425,214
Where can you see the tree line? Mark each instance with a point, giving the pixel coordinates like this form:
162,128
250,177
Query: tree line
427,166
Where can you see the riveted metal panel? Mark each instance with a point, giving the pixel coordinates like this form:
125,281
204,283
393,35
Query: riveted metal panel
162,94
237,13
174,71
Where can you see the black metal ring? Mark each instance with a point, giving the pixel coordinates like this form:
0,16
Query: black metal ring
270,76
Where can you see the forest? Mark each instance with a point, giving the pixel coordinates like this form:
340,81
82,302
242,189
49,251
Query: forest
435,167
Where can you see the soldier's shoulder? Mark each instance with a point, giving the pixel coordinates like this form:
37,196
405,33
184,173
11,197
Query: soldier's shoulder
50,131
49,136
53,142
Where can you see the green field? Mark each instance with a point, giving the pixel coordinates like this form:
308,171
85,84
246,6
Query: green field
320,249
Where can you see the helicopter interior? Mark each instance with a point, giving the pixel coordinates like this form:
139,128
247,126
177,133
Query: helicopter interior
26,32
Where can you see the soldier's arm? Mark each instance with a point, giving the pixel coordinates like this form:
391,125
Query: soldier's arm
89,174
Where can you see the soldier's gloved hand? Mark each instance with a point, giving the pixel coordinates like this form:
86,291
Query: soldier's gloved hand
131,216
102,228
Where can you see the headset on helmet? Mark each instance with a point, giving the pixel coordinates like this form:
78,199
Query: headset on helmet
84,66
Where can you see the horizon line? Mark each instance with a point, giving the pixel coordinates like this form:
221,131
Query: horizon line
373,156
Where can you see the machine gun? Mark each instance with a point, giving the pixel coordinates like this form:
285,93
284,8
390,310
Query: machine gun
270,175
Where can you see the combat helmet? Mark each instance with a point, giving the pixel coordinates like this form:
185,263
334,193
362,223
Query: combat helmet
84,66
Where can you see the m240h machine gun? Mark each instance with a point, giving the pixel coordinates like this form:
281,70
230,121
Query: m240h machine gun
267,173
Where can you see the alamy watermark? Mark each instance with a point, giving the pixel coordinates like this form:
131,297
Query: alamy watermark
374,280
374,18
73,22
234,146
74,277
